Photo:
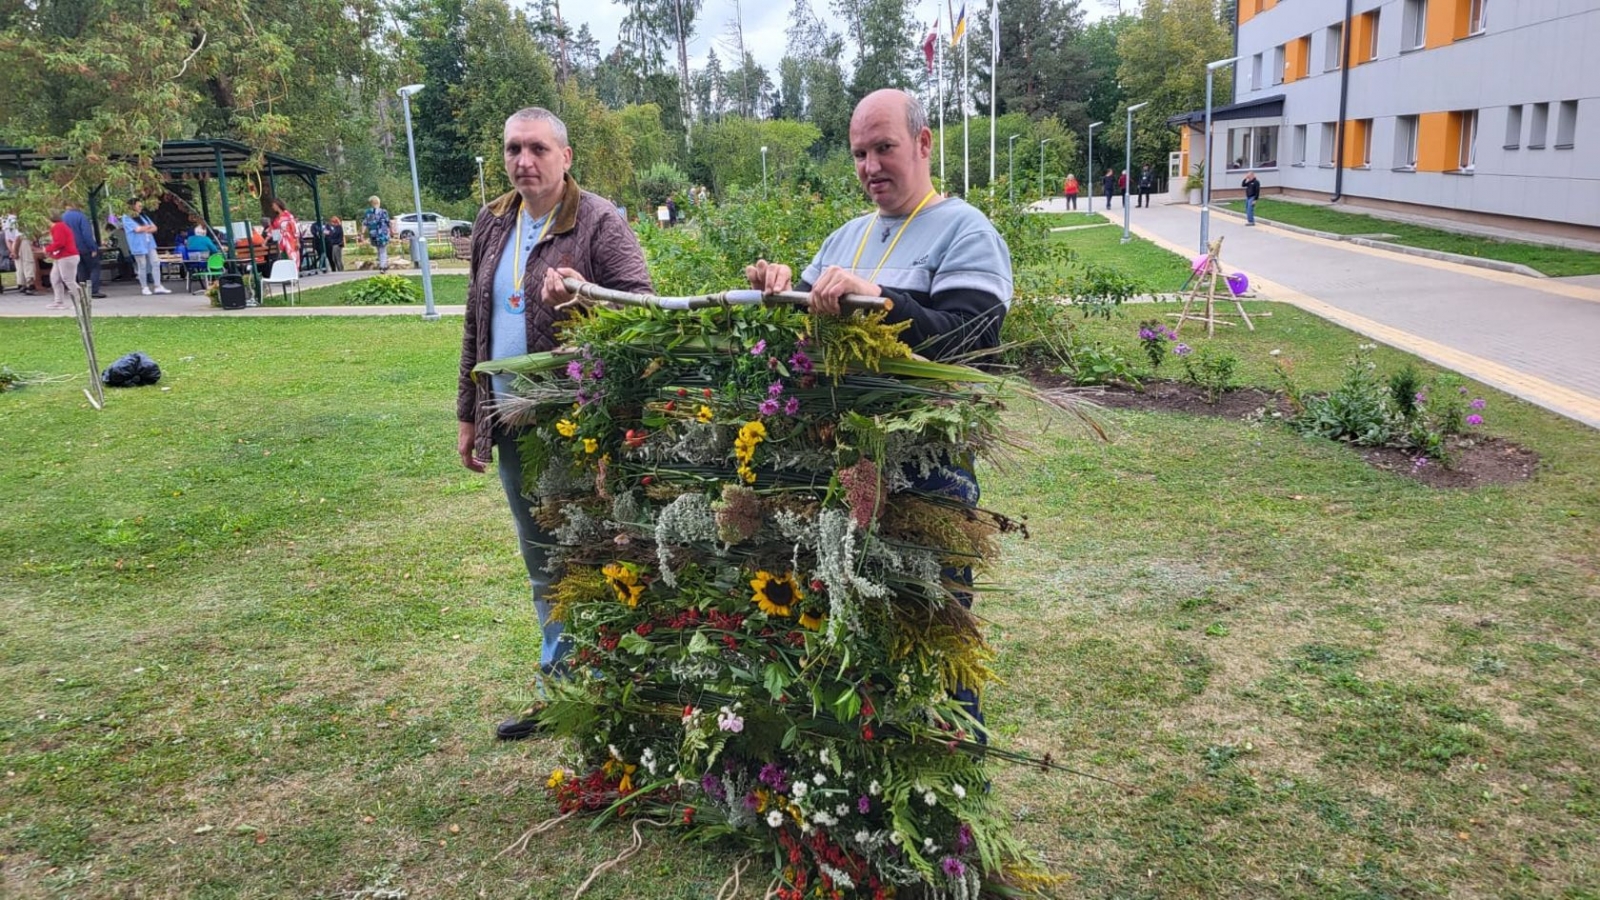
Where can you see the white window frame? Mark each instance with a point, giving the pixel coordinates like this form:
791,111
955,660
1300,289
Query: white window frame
1334,37
1513,126
1477,17
1255,72
1299,145
1414,26
1467,149
1280,63
1251,142
1405,143
1329,145
1366,143
1377,21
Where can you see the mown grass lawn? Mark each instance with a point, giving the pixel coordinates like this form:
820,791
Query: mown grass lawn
448,290
1153,269
1552,261
257,628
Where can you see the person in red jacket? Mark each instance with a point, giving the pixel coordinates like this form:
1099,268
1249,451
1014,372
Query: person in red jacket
63,249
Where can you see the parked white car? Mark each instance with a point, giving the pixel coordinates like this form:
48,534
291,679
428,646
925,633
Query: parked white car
433,225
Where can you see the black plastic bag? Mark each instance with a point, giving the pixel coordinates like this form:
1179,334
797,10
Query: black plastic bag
132,370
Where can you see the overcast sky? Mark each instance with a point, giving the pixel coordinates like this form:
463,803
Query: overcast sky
764,24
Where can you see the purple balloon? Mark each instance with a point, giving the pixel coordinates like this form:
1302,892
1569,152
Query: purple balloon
1238,283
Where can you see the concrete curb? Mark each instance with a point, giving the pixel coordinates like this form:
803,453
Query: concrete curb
1360,241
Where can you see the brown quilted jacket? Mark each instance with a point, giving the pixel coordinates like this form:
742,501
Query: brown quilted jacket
588,236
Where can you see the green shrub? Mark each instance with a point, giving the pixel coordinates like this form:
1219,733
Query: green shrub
1401,411
384,290
1210,370
660,182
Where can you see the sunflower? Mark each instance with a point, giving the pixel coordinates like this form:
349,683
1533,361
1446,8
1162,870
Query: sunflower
775,594
625,581
813,622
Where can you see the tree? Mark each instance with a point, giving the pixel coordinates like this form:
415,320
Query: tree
730,150
886,43
504,70
1043,62
816,54
1164,55
602,147
104,83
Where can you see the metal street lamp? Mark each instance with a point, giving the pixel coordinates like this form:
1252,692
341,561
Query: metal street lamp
1088,172
763,171
1041,166
1011,163
429,314
1127,172
483,200
1205,164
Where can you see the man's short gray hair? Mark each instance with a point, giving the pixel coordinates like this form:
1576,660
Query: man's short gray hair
916,114
540,114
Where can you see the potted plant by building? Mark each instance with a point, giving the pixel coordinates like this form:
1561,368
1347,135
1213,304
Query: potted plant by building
1196,183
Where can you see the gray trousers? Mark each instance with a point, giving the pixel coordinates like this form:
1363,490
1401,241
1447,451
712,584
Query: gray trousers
534,543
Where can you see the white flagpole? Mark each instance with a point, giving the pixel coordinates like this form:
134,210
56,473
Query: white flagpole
938,40
966,114
994,63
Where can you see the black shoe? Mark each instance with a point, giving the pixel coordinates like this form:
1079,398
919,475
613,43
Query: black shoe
98,296
517,729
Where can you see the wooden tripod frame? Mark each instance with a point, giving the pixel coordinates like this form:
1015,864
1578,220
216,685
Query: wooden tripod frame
1206,278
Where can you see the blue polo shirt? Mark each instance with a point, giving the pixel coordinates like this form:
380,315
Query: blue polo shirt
508,329
139,243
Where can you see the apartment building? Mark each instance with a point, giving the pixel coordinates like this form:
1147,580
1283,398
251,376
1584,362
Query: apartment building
1486,110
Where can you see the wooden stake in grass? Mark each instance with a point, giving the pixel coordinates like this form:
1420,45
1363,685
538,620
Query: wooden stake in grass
81,309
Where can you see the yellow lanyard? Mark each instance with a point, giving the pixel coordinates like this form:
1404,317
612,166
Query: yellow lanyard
520,270
868,233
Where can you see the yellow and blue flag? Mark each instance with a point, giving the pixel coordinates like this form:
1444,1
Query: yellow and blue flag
960,27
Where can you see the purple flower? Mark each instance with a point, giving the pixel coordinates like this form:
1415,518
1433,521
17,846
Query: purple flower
575,370
1146,334
712,785
1182,350
759,348
1418,464
791,406
1421,397
775,389
964,838
750,802
598,370
774,777
953,867
1474,419
863,804
1463,391
1478,403
768,407
799,361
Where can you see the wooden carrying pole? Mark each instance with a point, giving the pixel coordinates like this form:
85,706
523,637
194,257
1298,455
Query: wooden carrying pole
723,299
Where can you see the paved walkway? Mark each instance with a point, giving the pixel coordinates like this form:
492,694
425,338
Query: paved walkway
124,299
1531,337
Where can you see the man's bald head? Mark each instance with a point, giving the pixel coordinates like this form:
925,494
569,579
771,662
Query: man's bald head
889,99
892,147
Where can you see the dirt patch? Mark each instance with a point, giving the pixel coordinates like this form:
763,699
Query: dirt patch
1169,396
1474,461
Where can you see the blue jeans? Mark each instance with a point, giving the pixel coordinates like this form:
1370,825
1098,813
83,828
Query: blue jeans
960,485
1250,210
535,544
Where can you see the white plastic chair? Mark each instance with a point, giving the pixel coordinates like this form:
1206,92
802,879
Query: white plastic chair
284,273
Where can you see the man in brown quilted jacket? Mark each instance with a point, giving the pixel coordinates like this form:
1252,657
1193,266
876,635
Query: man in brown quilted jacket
523,244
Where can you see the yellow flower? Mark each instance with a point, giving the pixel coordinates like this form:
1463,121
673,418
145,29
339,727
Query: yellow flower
704,414
556,777
810,621
775,594
748,474
590,445
625,581
744,446
566,428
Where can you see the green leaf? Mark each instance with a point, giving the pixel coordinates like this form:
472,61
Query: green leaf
698,644
635,644
777,678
